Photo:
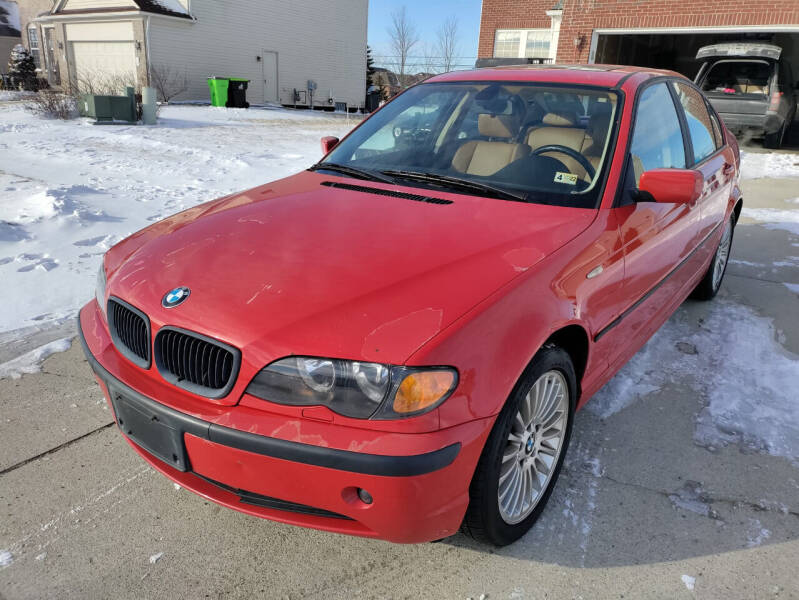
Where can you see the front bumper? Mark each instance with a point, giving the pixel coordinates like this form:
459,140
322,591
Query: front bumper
417,497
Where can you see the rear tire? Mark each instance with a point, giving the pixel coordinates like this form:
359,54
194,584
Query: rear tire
520,457
774,140
711,282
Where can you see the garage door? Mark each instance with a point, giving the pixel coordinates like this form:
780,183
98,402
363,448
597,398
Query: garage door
677,50
104,65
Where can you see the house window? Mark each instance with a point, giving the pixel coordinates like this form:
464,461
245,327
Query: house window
33,45
522,43
538,41
506,43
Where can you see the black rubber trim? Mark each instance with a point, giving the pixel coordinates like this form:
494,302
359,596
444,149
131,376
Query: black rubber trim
254,499
342,460
621,81
654,288
381,192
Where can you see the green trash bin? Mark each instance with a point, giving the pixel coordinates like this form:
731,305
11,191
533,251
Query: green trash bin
218,87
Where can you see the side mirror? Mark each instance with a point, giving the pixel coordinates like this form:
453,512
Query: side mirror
328,143
671,186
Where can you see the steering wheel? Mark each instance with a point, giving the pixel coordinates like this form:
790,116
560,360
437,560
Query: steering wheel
584,162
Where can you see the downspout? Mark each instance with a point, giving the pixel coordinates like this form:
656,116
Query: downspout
147,47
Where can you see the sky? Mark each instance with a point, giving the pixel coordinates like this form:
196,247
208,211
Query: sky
427,16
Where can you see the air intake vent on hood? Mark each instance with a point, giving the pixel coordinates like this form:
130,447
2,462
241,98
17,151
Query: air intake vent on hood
381,192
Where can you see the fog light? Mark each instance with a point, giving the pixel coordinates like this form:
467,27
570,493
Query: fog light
365,496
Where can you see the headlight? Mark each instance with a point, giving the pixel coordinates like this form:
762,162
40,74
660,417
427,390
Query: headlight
352,388
99,288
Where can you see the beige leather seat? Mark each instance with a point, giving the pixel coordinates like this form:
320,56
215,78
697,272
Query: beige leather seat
561,128
486,157
595,137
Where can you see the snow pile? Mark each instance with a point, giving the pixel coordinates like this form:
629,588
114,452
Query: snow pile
775,218
756,533
732,361
71,190
692,497
755,165
30,362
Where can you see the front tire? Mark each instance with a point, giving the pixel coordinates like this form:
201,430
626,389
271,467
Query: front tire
711,282
524,454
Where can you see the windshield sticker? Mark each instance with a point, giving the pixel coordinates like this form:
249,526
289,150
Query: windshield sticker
566,178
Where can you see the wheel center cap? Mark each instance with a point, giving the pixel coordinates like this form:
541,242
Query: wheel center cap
528,447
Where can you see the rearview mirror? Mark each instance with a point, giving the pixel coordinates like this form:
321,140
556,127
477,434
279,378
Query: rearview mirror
671,186
328,143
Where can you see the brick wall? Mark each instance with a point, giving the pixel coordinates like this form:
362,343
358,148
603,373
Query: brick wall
506,14
581,17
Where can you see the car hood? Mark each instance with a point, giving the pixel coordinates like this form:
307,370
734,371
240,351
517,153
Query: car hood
300,267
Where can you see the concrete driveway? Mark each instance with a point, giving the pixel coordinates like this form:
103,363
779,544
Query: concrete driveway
642,509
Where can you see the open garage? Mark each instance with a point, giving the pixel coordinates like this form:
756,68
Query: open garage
675,49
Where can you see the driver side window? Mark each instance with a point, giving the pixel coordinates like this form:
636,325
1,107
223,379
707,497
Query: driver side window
657,141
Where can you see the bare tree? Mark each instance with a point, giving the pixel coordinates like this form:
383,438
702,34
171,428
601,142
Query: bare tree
404,37
430,62
448,43
168,82
103,83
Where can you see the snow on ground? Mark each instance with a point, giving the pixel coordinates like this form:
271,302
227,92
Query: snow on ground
72,189
31,362
13,95
755,165
774,218
747,380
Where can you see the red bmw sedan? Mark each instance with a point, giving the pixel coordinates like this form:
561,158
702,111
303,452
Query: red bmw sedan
393,343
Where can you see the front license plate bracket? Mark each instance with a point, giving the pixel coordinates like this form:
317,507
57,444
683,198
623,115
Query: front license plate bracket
151,431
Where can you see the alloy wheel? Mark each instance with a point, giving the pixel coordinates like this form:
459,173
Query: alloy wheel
722,254
533,447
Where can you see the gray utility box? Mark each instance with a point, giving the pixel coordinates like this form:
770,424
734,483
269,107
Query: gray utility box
108,108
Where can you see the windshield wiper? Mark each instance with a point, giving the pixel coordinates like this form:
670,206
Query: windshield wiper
459,183
352,172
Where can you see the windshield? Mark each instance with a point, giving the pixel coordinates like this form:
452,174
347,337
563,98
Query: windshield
537,142
736,77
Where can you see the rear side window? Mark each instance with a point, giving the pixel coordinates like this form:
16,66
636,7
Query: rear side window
698,119
716,129
657,139
738,77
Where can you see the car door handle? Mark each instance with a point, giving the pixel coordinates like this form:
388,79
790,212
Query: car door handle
728,169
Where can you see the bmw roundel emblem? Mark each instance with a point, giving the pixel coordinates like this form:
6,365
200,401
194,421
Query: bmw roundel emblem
175,296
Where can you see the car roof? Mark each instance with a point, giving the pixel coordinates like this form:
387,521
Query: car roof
599,75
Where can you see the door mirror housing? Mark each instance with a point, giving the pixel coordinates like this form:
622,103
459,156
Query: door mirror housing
328,143
670,186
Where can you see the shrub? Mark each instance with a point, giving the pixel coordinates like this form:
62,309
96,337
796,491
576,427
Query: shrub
22,69
53,105
168,82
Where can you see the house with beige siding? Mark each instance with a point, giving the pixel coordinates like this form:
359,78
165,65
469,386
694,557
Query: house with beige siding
305,53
